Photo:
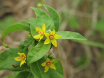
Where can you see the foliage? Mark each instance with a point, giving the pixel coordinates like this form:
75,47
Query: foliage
36,55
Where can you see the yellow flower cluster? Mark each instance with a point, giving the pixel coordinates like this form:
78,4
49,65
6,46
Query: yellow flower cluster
50,37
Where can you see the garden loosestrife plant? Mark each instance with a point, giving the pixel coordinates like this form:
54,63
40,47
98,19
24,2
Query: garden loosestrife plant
34,61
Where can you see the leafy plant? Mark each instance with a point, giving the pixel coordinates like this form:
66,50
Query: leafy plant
43,33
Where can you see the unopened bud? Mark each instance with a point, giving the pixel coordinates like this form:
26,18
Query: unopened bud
28,36
39,5
50,56
5,45
53,61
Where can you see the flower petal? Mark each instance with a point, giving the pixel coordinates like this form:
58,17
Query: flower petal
43,27
20,54
56,36
47,35
36,37
22,62
43,64
52,32
47,41
46,69
48,59
18,58
40,38
54,42
37,29
52,66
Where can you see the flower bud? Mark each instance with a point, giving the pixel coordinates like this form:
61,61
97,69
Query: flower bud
28,36
53,61
39,5
50,56
5,45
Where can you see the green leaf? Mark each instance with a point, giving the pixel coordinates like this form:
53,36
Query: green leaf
59,67
12,28
55,16
38,70
33,24
23,22
70,35
24,74
37,52
25,44
7,60
43,18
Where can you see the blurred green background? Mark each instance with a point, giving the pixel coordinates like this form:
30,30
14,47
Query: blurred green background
80,59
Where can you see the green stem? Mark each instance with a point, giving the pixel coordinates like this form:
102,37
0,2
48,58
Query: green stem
11,49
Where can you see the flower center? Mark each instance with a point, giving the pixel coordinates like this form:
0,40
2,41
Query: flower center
23,57
41,33
51,37
48,64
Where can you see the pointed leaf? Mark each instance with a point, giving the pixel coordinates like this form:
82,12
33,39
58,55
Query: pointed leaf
14,27
38,70
70,35
7,60
43,18
55,16
23,46
37,52
23,22
24,74
33,24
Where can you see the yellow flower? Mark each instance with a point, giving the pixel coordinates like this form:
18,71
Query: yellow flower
41,32
22,58
48,64
51,37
